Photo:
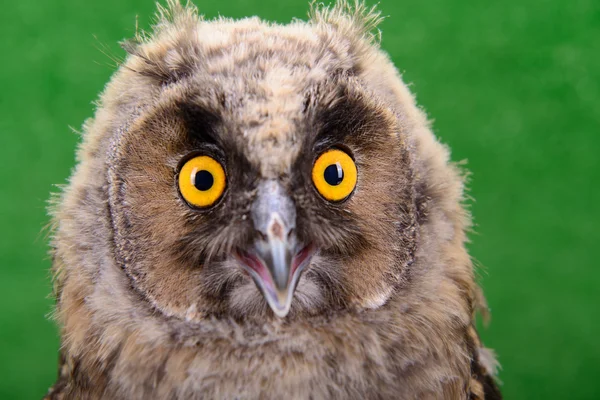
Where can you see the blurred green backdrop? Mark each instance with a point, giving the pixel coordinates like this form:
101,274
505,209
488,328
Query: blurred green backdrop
513,87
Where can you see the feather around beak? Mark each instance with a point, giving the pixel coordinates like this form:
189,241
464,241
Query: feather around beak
276,259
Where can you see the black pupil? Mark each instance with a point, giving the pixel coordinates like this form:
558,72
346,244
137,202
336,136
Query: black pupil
334,174
203,180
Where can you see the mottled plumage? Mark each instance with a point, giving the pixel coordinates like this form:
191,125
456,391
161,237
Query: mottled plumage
153,297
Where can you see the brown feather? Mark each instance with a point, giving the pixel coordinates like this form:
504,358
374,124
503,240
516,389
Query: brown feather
149,302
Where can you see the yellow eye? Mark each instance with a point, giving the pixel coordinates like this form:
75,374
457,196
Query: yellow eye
334,175
201,181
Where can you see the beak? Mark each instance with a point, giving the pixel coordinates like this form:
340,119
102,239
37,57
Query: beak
276,258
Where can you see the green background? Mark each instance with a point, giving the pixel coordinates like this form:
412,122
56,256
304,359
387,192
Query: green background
512,86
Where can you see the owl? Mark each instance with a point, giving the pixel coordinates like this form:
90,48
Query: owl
262,211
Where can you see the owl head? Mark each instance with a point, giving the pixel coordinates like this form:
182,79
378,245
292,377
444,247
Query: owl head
249,169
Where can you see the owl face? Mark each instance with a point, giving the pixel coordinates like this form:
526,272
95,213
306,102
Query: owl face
261,176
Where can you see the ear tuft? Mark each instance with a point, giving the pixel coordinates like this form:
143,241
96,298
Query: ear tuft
176,14
355,20
166,54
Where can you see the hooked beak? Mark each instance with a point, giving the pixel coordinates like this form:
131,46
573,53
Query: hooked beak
276,259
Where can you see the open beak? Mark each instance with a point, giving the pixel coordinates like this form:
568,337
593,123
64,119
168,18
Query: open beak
276,259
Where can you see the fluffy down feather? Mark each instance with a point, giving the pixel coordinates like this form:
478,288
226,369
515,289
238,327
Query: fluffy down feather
149,304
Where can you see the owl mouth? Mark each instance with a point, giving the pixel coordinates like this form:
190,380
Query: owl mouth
276,258
276,271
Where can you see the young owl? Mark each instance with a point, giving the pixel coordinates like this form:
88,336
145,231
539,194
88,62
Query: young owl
262,211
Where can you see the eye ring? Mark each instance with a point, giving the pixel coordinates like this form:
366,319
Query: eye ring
201,181
334,175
